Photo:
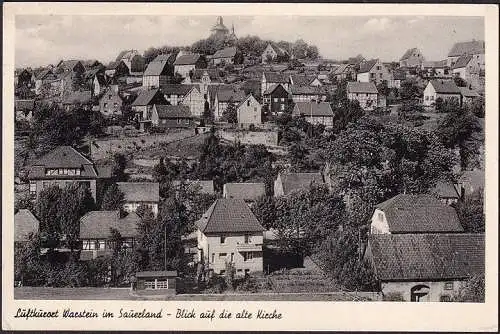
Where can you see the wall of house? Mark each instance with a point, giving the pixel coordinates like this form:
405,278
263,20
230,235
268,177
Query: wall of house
436,289
269,51
429,95
379,223
110,104
132,206
366,101
151,81
249,112
173,123
304,98
278,187
216,254
195,101
326,121
183,70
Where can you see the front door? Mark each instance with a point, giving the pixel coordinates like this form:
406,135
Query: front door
419,293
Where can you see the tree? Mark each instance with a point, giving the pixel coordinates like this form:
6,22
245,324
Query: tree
119,165
47,210
460,82
473,291
410,90
113,198
230,114
27,262
470,210
383,88
265,211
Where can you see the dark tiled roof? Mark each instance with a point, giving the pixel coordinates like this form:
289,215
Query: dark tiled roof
407,213
445,86
462,61
24,224
466,92
302,80
245,191
408,53
225,53
471,47
174,89
165,57
273,87
366,66
156,68
422,257
229,215
69,65
273,77
307,90
313,108
140,191
299,181
189,59
362,87
168,111
145,97
97,224
62,157
213,74
279,51
399,75
225,94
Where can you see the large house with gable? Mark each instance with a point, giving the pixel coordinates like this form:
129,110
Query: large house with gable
373,71
273,52
412,58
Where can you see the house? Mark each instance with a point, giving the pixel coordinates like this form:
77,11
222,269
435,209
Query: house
47,78
229,55
152,282
474,48
276,98
64,165
224,96
249,111
345,72
133,60
23,78
314,112
373,71
144,103
229,232
408,213
117,69
271,79
189,62
446,192
411,58
73,66
249,192
468,95
436,69
307,93
290,182
465,67
398,77
96,78
202,186
365,93
25,224
425,267
157,73
195,100
24,109
444,89
171,117
175,93
95,232
110,103
79,97
273,53
136,194
204,78
305,80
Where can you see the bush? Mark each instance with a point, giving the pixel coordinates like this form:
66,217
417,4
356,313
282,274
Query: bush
393,297
249,284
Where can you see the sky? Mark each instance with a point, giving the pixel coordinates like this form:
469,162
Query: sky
46,39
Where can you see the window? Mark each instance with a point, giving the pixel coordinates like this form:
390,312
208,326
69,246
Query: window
239,270
247,239
275,99
115,104
221,255
178,121
282,99
380,216
255,109
186,121
432,97
32,188
247,256
448,286
445,298
282,107
110,96
380,75
427,98
149,284
248,103
379,68
222,239
232,257
213,257
162,284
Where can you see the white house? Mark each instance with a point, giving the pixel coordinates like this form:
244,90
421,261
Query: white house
273,52
229,232
224,96
444,89
195,100
373,71
249,111
365,93
140,193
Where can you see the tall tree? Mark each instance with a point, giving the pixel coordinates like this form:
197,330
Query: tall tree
113,198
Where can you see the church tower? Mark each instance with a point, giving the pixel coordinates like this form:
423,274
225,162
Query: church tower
219,29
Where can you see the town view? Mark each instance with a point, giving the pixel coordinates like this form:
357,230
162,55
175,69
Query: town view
235,166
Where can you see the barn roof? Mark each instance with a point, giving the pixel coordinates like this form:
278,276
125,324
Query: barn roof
445,86
470,48
188,59
169,111
366,66
97,224
244,191
140,191
362,87
322,109
275,77
145,97
225,53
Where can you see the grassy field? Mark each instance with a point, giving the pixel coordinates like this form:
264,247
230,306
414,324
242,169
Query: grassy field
43,293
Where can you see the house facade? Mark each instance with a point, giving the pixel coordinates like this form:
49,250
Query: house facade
204,78
133,60
273,52
444,89
157,73
276,98
171,117
314,112
230,232
271,79
307,93
471,48
225,96
175,93
365,93
195,100
140,193
229,55
412,58
373,71
110,103
249,111
143,106
345,72
189,62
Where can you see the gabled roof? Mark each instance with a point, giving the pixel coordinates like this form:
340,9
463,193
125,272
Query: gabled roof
362,87
467,92
226,94
273,87
82,97
302,80
427,257
24,224
69,65
156,68
462,61
342,69
140,191
273,77
97,224
422,213
366,66
168,111
470,48
299,181
43,74
245,191
249,96
176,89
229,215
188,59
127,54
279,51
409,53
168,57
322,109
229,52
145,97
213,74
307,90
445,86
62,157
